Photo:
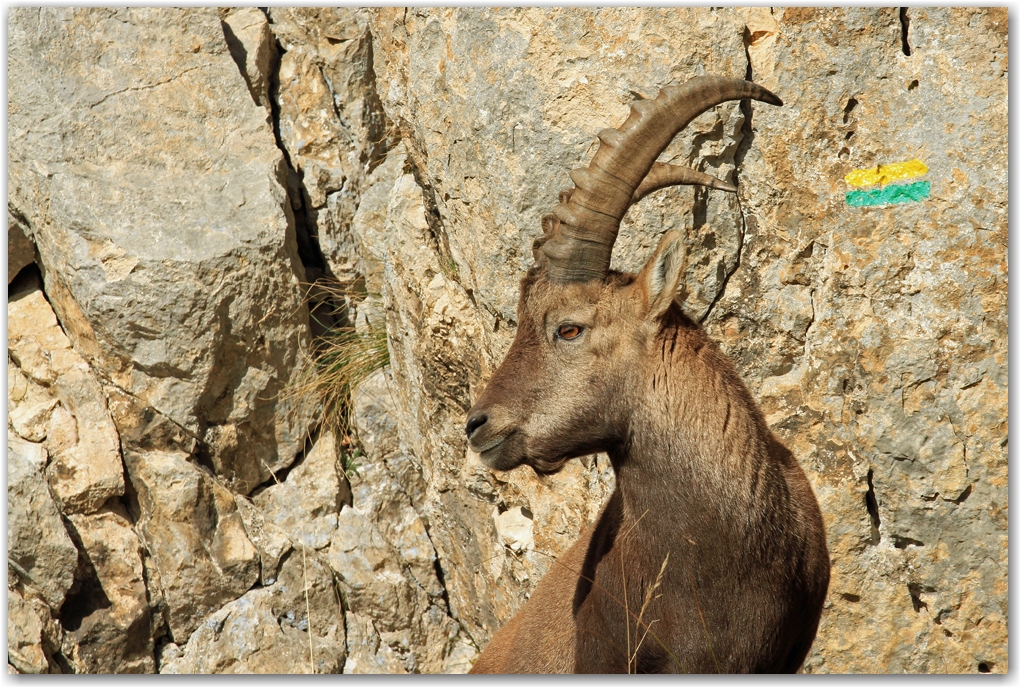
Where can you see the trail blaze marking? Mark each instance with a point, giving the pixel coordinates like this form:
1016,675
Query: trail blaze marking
883,174
892,194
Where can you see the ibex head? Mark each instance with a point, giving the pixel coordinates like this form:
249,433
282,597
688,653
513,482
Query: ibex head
586,335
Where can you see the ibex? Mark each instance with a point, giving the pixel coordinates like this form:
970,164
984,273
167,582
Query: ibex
713,527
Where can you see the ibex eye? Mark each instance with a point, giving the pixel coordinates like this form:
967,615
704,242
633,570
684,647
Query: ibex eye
568,331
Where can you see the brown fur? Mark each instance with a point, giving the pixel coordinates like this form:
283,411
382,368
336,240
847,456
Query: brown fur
700,478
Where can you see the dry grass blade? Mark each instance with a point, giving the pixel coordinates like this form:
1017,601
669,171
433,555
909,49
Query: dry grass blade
308,610
649,597
626,605
646,626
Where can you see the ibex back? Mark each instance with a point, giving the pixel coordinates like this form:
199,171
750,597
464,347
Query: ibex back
710,555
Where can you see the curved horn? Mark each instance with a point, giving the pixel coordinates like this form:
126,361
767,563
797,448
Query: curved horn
579,236
662,175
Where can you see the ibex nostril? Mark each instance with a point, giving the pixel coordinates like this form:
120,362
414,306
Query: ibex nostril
476,421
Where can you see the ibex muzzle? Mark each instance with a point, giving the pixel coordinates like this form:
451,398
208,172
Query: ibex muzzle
709,505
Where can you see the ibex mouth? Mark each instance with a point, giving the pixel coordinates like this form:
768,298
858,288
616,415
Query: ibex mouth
490,444
504,452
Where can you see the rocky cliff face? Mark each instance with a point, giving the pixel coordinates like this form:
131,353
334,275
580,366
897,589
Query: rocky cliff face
177,178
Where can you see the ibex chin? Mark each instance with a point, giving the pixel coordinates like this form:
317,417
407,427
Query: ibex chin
710,555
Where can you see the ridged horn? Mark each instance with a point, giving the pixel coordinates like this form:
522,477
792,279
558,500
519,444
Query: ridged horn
578,238
662,175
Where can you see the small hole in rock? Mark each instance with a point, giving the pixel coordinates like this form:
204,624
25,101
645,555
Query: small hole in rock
850,105
913,84
984,667
915,598
903,542
871,503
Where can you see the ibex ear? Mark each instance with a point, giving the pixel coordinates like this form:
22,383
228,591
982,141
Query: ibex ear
663,273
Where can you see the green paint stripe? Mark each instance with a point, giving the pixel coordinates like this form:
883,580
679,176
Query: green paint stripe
890,195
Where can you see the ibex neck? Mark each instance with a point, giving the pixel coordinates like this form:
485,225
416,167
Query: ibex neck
698,446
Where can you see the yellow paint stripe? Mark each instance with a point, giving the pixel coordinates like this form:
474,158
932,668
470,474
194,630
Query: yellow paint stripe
883,174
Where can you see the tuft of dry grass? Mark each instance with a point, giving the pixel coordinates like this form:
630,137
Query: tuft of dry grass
341,359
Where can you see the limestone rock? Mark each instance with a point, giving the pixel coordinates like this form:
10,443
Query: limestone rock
32,633
461,658
496,129
54,398
384,515
368,654
252,46
38,547
331,120
143,428
29,405
107,624
402,651
20,248
192,530
369,567
146,182
267,630
150,181
398,619
369,224
272,542
387,487
310,127
373,416
305,506
515,528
